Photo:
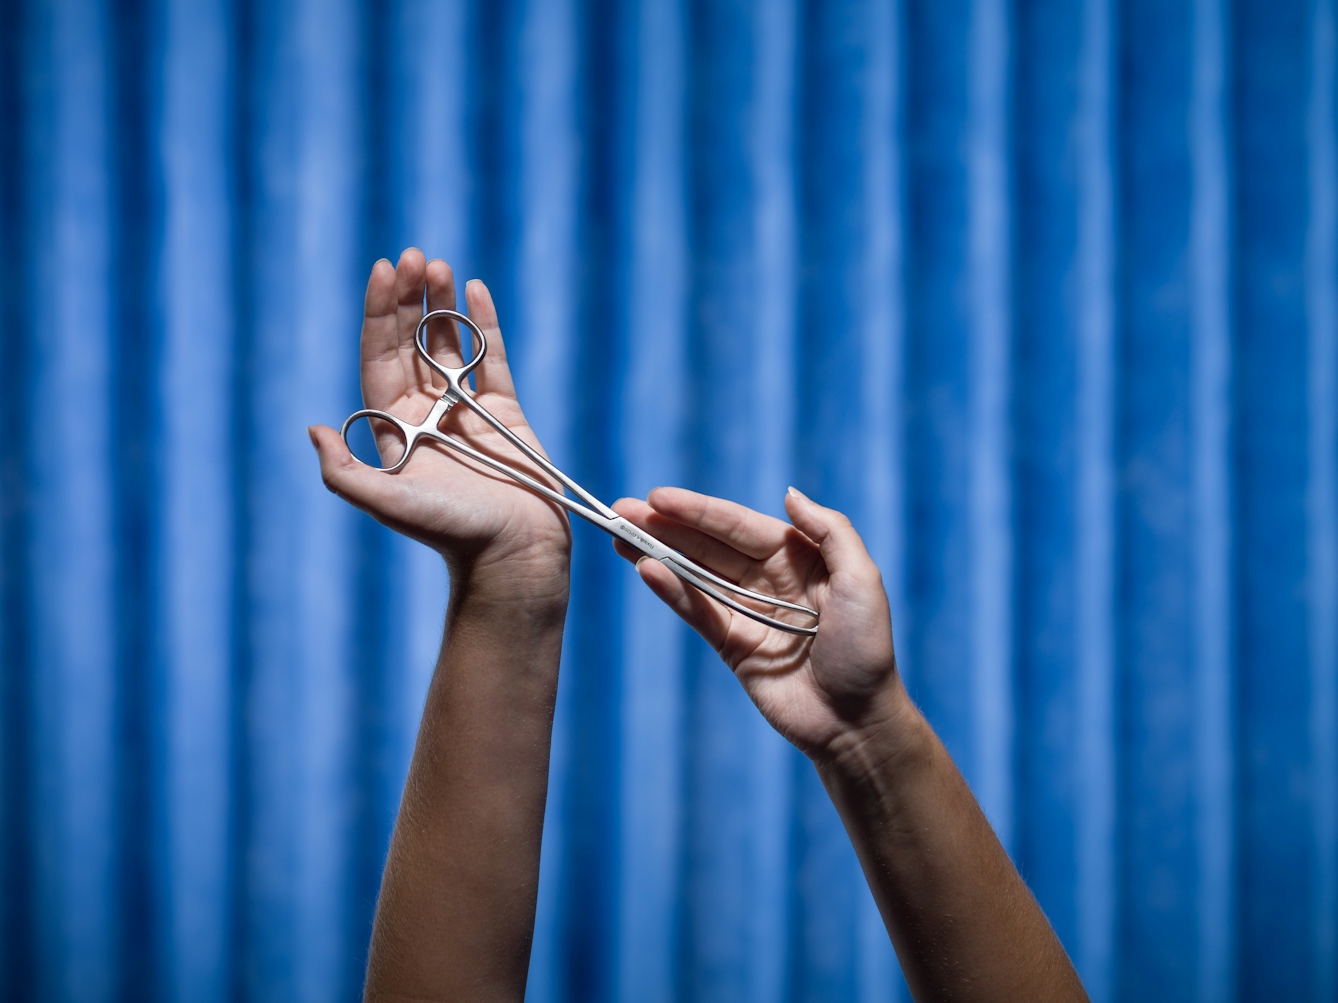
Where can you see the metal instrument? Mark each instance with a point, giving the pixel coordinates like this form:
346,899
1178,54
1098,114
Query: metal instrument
589,508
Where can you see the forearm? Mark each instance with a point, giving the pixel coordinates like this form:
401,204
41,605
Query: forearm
964,924
456,912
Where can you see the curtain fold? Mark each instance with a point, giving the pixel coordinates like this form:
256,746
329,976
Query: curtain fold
1043,295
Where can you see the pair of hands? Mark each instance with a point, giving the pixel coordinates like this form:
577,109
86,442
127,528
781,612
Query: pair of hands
824,693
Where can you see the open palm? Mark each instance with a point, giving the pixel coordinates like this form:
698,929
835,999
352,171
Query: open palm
811,689
441,498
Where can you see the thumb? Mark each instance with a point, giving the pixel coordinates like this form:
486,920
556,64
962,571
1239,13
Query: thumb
344,474
842,549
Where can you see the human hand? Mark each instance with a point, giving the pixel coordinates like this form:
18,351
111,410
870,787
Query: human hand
825,693
468,513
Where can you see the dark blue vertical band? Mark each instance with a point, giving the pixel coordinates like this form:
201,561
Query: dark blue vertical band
16,760
1155,542
936,647
1047,313
850,346
1276,781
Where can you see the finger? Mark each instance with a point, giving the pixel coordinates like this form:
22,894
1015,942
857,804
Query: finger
840,545
751,533
382,373
627,551
494,372
700,613
443,336
705,550
411,276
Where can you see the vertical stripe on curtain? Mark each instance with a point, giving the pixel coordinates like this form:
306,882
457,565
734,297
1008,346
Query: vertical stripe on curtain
1044,295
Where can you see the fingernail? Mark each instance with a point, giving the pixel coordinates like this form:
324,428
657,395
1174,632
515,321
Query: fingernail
643,557
311,434
792,490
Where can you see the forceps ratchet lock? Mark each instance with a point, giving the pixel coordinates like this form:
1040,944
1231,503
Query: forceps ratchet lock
589,508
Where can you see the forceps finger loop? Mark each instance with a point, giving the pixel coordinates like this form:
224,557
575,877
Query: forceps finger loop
452,375
407,432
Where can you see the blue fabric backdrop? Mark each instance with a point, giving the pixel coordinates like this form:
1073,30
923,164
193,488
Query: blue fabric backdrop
1044,294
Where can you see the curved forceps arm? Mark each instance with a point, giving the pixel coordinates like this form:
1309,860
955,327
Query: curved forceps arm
702,579
694,574
701,585
593,510
608,520
457,392
614,524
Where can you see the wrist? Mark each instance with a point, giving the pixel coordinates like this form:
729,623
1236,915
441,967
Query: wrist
889,739
513,578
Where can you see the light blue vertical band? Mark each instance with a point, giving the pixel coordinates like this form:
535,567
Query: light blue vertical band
882,389
195,547
1094,561
775,340
71,547
1210,430
306,269
328,191
987,157
724,789
652,709
541,303
1322,494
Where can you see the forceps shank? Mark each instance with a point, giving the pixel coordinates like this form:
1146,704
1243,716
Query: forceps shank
615,525
589,507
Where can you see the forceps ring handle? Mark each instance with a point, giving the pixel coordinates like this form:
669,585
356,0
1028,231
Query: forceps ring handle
410,433
452,375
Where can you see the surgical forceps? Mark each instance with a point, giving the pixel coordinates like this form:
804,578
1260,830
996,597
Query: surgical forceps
593,510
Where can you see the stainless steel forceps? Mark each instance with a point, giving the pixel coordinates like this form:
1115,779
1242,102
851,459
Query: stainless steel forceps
593,510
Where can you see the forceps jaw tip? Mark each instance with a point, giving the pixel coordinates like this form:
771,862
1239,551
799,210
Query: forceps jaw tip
708,585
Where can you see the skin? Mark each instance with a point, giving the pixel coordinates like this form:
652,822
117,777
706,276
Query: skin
456,913
964,925
455,916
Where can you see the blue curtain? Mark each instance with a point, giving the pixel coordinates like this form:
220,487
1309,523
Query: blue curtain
1043,294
